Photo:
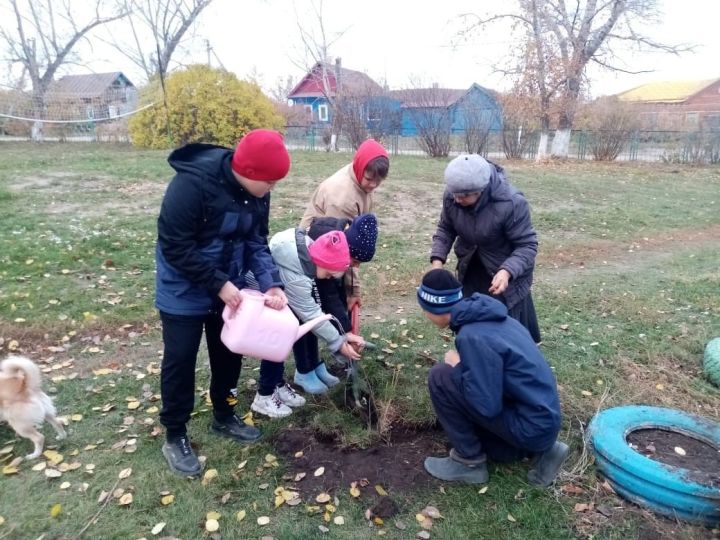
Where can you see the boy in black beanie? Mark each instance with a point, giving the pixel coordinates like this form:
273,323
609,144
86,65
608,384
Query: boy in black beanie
495,396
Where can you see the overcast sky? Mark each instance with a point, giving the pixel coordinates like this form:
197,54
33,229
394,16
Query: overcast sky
393,40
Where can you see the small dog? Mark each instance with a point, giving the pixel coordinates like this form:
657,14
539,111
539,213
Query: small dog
23,404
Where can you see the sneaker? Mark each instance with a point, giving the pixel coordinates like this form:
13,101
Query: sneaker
546,466
289,397
325,376
310,382
234,428
271,406
180,457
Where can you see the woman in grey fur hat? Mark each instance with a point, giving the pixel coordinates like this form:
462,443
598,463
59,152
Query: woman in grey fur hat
488,221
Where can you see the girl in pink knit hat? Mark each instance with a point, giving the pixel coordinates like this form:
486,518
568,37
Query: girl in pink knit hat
301,261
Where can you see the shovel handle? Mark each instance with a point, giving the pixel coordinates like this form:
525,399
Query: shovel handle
355,319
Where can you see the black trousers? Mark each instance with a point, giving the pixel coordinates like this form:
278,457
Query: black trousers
478,280
472,435
182,336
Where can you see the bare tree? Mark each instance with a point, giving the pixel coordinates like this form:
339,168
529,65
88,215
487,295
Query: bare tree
520,121
610,122
571,37
41,35
157,28
315,59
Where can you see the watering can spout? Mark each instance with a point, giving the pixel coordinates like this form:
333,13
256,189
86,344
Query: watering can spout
305,328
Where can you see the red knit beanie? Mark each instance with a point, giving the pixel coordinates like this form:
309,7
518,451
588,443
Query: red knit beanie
366,152
261,155
330,251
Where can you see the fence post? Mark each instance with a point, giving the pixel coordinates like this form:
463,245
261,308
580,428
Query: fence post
634,146
582,145
311,141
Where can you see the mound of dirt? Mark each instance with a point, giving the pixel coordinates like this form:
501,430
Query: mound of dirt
397,466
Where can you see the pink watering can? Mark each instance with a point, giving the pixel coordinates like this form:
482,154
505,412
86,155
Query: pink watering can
260,331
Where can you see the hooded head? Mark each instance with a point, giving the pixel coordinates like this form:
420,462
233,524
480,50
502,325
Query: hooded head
367,152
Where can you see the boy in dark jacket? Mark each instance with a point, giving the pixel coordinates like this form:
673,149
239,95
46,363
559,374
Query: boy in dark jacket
495,396
212,230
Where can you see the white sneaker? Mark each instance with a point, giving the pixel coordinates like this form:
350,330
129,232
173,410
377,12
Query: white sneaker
289,396
271,406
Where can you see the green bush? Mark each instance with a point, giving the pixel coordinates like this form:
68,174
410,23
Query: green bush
203,105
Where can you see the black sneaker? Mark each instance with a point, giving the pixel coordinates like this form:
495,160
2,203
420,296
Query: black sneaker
234,428
181,458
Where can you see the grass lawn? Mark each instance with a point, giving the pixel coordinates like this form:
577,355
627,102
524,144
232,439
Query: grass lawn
627,291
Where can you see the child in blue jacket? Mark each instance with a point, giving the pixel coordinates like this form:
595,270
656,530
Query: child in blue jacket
495,396
212,230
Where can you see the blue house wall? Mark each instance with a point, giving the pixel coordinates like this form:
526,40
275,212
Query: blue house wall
476,103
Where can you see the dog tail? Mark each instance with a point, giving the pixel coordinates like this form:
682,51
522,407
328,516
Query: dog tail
24,368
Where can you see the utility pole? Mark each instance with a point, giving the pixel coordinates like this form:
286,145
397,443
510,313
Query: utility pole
209,50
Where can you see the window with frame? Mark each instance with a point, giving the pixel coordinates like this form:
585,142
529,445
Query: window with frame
323,113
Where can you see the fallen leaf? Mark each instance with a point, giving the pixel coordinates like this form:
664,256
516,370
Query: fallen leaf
248,419
53,473
299,454
212,515
263,520
323,498
323,529
586,393
125,473
423,535
420,517
8,470
427,524
40,466
299,476
55,510
242,464
511,518
126,499
240,515
53,456
76,417
400,525
483,490
157,529
209,475
65,485
212,525
583,507
378,520
572,489
319,471
167,499
381,491
354,490
432,512
2,520
339,520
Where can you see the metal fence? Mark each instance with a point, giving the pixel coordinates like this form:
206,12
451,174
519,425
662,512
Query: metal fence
647,146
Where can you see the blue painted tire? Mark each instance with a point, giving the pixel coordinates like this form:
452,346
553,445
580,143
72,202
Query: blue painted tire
665,489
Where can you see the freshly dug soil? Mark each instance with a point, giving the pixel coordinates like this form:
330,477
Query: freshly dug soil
700,458
396,466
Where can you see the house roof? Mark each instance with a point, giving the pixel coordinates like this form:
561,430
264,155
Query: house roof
431,97
87,86
666,91
351,80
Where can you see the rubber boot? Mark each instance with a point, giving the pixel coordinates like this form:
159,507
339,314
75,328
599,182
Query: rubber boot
325,376
310,382
546,467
